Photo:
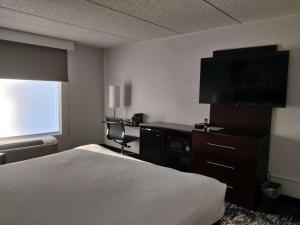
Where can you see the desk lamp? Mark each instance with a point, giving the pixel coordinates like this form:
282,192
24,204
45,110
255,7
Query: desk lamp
114,97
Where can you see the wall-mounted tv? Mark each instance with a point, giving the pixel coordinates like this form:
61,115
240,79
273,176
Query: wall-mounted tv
259,80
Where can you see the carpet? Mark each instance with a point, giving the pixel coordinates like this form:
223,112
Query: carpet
235,215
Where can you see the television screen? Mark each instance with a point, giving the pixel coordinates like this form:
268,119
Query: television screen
259,80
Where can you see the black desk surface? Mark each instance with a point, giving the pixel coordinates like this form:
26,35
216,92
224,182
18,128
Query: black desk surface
189,128
235,133
125,123
171,126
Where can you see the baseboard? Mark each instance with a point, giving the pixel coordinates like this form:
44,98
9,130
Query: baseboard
290,200
290,205
290,187
286,178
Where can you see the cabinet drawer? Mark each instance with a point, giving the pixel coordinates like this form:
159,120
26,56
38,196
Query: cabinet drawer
240,189
228,174
245,165
226,147
229,159
224,173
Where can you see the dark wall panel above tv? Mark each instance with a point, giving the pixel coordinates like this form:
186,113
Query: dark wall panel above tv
249,51
241,118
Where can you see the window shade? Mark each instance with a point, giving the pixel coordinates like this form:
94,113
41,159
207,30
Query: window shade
31,62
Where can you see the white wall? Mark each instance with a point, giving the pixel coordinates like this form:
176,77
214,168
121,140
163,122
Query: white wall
82,98
165,74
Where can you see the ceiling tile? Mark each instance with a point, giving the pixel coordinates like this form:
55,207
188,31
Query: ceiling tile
28,23
106,23
181,15
89,15
251,10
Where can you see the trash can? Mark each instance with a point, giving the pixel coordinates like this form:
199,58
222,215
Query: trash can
270,193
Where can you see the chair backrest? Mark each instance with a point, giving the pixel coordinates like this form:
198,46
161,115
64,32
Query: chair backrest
2,158
115,128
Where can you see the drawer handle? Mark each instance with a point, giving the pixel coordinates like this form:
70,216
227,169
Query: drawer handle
221,165
221,146
230,187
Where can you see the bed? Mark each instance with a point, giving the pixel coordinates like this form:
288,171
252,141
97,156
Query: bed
91,185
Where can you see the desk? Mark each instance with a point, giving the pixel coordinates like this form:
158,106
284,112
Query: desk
125,123
169,126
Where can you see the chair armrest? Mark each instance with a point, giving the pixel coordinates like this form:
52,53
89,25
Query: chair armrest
113,122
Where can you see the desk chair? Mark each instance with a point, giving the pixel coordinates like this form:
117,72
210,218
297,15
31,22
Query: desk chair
2,158
116,132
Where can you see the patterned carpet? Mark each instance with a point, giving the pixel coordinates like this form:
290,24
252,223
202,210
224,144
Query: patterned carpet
235,215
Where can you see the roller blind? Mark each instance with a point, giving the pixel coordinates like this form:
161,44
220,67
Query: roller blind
31,62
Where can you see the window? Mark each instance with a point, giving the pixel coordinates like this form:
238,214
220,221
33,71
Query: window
29,107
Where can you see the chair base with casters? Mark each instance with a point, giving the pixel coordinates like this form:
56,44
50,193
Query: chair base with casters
124,143
116,132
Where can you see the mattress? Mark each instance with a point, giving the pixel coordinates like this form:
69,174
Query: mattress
91,185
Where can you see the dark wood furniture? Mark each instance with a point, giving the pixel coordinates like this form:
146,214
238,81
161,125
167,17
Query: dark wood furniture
156,146
241,118
237,155
248,51
236,159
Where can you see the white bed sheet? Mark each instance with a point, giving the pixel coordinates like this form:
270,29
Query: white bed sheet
91,185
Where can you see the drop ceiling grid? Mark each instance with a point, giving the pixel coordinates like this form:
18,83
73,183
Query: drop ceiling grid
27,23
252,10
182,16
85,14
114,22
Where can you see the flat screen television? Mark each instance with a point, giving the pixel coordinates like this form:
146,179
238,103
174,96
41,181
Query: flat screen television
251,81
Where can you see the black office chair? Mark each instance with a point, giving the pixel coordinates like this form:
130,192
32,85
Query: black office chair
2,158
116,132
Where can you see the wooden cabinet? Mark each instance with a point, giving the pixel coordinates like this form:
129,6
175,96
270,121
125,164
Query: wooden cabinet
238,161
166,144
